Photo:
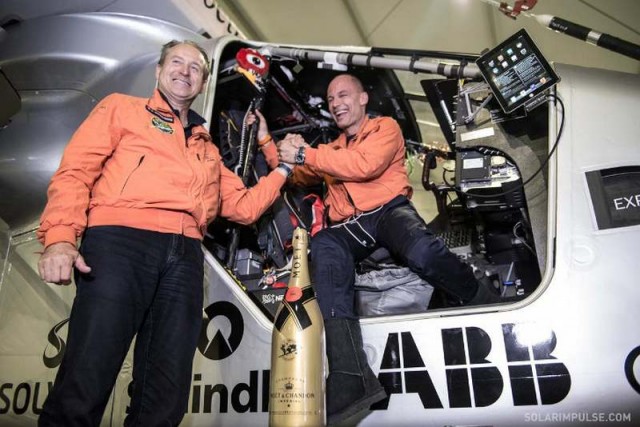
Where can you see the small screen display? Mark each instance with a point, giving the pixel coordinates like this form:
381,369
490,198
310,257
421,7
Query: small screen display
516,71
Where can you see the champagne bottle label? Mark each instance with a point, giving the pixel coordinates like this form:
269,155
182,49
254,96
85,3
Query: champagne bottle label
301,315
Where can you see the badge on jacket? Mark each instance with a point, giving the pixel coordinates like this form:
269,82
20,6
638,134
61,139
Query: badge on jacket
161,126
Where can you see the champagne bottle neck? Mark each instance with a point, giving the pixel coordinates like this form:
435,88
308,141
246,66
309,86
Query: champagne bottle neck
299,268
299,261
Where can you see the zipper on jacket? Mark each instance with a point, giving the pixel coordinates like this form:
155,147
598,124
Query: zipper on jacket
351,202
134,169
202,189
198,173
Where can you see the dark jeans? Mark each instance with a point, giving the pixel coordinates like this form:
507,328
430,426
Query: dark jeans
398,227
143,283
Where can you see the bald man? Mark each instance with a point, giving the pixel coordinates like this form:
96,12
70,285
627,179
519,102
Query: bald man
368,202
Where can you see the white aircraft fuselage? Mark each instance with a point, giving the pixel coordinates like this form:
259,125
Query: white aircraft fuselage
564,351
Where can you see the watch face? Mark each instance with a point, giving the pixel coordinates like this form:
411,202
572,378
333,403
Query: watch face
300,156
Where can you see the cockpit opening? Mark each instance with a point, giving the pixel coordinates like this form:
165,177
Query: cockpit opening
467,161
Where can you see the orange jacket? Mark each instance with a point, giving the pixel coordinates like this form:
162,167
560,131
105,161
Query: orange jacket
129,164
360,176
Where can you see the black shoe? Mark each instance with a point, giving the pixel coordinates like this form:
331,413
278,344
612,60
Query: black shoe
352,387
486,293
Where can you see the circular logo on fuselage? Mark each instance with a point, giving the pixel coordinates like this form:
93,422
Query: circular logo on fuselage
223,341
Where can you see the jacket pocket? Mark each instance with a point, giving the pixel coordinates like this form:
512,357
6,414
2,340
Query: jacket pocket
124,185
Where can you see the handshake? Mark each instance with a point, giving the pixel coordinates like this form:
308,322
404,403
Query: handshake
289,149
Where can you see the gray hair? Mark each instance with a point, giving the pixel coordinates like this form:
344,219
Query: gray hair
166,47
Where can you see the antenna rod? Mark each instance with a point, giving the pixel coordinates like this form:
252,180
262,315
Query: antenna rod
572,29
591,36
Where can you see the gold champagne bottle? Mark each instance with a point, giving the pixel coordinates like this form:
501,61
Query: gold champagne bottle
296,390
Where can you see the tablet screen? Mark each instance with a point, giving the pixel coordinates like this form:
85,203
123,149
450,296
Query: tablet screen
516,71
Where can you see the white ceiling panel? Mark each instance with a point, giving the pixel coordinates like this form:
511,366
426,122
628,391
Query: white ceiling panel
466,26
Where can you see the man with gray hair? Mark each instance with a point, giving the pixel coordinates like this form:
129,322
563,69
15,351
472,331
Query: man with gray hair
139,182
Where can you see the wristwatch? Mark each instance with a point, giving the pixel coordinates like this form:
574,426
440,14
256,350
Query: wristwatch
300,156
286,168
